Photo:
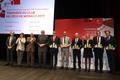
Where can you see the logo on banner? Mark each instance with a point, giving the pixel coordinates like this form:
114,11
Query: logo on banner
15,2
5,3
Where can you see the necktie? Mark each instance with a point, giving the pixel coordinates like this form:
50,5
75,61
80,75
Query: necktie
97,39
64,40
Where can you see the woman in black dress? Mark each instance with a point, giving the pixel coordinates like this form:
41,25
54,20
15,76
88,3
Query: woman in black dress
88,43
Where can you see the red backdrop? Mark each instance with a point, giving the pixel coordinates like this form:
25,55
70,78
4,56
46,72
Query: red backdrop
82,26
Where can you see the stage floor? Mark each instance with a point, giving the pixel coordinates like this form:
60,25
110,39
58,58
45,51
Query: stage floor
24,73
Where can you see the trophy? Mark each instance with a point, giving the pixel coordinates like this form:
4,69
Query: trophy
76,46
64,45
53,45
9,47
100,45
110,47
87,46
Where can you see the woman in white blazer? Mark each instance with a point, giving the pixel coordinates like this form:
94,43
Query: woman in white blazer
20,48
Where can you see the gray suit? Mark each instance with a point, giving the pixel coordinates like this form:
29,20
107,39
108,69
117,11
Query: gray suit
65,50
42,39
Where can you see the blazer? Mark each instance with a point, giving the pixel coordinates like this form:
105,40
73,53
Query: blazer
20,44
12,41
101,42
110,40
57,41
90,42
31,45
67,41
42,40
79,42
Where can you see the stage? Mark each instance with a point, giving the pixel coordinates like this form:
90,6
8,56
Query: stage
25,73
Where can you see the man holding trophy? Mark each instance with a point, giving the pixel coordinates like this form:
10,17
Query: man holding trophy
76,46
98,42
110,50
65,45
54,44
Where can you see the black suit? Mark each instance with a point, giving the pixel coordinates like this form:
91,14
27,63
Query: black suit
110,52
11,50
98,53
77,53
53,50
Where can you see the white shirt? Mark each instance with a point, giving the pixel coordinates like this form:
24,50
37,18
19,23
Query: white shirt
99,39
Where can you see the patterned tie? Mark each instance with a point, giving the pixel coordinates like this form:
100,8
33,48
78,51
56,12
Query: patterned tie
64,40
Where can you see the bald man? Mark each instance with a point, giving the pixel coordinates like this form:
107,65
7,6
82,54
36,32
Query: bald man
76,46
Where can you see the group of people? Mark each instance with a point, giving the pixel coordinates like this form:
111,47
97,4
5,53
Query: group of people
95,45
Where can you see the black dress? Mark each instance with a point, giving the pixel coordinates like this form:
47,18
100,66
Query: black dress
88,51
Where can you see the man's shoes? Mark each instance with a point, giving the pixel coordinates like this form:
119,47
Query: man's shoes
85,70
62,67
67,68
96,71
109,72
73,69
101,71
7,64
88,70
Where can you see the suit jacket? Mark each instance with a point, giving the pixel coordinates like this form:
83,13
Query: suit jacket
43,40
31,45
57,41
90,42
67,41
13,41
110,40
79,42
20,44
101,42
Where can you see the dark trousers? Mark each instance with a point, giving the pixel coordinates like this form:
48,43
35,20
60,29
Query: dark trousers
76,54
19,57
98,58
54,57
42,57
111,59
10,56
30,58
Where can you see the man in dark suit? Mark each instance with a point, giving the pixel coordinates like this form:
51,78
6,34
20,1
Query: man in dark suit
76,46
110,50
54,44
98,42
10,43
42,48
